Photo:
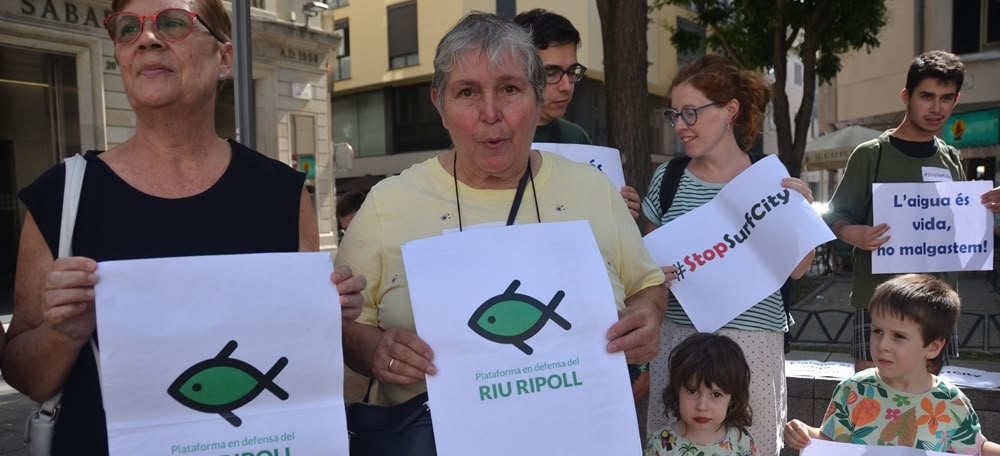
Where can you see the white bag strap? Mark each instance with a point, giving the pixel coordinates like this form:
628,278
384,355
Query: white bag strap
75,168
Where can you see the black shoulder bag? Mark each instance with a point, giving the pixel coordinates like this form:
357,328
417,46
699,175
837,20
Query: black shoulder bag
403,429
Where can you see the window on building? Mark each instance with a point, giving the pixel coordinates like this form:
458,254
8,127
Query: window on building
337,3
797,73
416,123
359,120
975,26
403,42
261,4
343,68
693,31
507,8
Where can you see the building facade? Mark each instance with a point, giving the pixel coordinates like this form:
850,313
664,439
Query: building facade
381,90
62,94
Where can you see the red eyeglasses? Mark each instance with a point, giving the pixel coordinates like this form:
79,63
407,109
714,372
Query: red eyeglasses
172,24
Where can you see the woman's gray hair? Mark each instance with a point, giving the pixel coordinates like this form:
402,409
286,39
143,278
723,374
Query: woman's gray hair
496,38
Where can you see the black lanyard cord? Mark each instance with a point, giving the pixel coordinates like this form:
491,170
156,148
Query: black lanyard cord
515,205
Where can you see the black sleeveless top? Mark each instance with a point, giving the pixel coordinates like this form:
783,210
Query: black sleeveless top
252,208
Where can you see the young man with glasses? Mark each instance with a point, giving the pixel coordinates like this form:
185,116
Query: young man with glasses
556,40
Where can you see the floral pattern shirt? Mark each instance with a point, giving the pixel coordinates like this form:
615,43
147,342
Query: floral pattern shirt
666,441
865,410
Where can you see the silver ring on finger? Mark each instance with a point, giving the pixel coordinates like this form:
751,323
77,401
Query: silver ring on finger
391,360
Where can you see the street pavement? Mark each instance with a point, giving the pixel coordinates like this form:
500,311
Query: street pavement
819,316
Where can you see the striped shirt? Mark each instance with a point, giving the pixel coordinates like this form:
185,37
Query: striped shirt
767,315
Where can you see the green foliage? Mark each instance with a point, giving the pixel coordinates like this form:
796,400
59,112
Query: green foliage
744,29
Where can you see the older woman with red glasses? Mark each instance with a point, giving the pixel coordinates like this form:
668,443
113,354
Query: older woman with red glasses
173,189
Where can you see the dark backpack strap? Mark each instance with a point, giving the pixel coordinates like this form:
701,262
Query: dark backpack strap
671,180
878,162
953,152
868,200
786,288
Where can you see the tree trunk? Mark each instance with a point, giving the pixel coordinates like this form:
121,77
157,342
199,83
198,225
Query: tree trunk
623,33
818,25
782,122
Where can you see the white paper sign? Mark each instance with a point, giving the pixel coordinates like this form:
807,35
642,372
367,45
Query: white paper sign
818,369
976,378
605,159
818,447
738,248
958,376
221,355
517,318
933,227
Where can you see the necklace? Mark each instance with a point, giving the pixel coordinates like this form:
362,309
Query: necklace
518,195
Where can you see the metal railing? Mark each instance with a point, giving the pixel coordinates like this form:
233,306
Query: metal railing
976,331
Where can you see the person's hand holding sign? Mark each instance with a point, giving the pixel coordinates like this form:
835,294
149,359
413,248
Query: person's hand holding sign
798,434
798,185
631,198
991,200
402,357
670,273
862,236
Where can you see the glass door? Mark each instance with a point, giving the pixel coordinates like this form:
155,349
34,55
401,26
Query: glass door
39,124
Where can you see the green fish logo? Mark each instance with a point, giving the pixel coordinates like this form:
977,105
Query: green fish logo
512,318
223,384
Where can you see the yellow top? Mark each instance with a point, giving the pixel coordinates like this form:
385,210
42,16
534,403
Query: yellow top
420,203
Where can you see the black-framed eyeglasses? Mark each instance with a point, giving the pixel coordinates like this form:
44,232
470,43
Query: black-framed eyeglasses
554,73
172,24
688,113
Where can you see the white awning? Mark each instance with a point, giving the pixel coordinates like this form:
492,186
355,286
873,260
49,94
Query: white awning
832,150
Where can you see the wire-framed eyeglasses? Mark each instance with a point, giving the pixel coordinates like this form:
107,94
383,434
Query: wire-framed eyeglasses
171,24
688,113
554,73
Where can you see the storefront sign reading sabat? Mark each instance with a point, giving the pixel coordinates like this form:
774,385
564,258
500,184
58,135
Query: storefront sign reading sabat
91,15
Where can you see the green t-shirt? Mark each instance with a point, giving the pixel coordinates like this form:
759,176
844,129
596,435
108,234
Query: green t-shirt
852,200
568,133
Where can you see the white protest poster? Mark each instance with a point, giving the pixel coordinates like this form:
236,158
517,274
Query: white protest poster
818,447
605,159
933,227
517,318
967,376
958,376
222,355
818,369
739,248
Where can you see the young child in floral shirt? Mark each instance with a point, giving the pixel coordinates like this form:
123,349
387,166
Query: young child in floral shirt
899,402
709,393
